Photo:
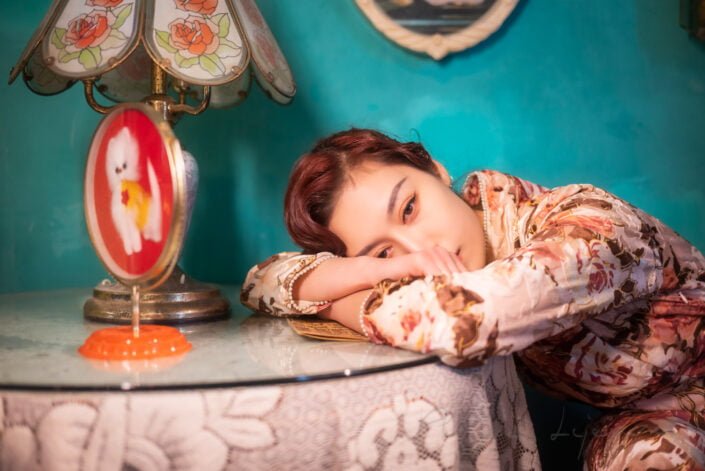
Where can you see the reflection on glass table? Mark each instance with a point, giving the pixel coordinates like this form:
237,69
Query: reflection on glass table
42,331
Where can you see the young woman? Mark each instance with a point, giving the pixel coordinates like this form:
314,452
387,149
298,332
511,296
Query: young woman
601,302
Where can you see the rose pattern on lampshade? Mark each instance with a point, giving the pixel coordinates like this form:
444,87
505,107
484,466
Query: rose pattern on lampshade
111,45
197,39
200,39
103,3
87,36
206,7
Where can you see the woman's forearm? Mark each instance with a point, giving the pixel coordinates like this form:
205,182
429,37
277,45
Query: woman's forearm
346,310
336,278
294,283
339,277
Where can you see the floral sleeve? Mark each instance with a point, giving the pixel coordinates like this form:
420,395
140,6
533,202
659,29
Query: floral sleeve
268,286
582,251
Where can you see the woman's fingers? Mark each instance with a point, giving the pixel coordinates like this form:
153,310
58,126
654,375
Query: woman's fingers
459,263
438,261
435,261
429,263
446,260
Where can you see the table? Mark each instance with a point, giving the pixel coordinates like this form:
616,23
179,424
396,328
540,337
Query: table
250,395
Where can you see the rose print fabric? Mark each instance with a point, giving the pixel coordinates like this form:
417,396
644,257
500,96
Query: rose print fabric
268,286
600,301
637,440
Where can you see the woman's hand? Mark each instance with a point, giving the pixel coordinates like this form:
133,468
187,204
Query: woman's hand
435,261
340,277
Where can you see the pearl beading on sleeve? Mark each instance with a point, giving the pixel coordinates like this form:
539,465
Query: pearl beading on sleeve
361,316
291,303
485,215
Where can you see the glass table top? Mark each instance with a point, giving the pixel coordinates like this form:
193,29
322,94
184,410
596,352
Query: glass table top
41,331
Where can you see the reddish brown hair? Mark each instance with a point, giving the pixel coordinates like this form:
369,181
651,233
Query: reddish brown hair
318,176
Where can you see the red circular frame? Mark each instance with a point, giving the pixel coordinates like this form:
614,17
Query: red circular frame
106,209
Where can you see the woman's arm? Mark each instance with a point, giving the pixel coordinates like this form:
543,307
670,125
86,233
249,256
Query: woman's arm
339,277
292,283
346,310
587,251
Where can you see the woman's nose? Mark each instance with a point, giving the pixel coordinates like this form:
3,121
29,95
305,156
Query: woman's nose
414,241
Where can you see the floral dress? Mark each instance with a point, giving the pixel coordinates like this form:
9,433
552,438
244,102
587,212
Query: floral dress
600,301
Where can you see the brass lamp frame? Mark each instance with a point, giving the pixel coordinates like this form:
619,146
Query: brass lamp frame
164,104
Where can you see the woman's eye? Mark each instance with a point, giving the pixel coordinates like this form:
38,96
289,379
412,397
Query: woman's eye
409,208
383,254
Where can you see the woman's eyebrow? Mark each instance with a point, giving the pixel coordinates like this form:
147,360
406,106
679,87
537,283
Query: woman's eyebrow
393,196
390,208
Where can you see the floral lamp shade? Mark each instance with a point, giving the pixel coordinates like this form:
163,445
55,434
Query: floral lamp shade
214,43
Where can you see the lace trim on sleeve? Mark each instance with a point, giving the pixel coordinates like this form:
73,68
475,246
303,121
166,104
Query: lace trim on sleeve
303,267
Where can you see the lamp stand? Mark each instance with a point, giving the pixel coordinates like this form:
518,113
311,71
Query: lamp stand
180,298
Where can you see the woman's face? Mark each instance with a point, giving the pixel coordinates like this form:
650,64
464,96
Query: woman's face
390,210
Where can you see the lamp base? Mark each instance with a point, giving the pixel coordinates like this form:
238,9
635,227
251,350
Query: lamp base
178,300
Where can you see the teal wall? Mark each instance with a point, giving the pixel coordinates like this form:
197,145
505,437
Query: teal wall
611,93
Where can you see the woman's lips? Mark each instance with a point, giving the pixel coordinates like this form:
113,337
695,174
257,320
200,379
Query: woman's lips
459,254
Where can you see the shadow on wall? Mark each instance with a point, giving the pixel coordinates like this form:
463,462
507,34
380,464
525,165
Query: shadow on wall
244,157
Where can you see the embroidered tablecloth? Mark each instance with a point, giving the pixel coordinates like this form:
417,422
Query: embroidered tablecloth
290,403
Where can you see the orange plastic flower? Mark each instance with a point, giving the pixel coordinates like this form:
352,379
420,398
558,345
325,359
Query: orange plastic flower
88,30
205,7
193,36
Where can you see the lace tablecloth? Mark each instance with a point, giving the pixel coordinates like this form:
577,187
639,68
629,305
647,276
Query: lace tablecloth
423,417
250,395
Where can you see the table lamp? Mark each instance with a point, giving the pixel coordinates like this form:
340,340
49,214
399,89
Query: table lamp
176,56
136,213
